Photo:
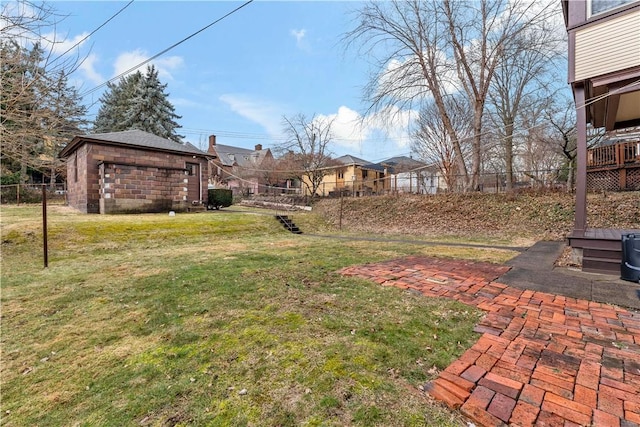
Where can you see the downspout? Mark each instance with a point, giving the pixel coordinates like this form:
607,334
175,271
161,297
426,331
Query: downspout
200,182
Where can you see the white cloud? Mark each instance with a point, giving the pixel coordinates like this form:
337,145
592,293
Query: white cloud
352,133
404,79
58,47
394,123
12,15
355,133
301,41
298,34
165,65
346,129
88,66
265,113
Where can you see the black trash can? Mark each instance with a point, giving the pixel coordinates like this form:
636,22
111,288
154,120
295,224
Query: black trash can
630,266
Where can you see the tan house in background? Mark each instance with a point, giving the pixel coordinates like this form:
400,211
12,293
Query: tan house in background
353,176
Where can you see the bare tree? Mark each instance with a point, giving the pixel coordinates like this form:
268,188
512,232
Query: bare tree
308,145
432,143
519,79
407,41
431,48
40,111
539,159
563,136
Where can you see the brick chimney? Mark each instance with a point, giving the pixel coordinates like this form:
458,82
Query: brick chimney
258,147
212,144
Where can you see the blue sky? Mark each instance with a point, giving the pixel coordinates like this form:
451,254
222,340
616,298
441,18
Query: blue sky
239,77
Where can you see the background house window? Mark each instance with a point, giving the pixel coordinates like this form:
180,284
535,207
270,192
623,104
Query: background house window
600,6
340,174
364,174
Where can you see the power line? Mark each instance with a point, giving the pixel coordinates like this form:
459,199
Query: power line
608,94
166,50
247,135
94,31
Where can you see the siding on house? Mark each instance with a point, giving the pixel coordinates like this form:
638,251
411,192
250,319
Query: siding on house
350,174
608,46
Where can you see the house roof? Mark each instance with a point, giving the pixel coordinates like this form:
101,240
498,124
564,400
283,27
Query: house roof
364,164
403,164
133,138
243,157
373,166
352,160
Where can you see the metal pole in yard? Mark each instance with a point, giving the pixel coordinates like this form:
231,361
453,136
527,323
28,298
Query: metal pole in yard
44,226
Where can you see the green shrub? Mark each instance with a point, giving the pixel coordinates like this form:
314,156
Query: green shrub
10,178
219,198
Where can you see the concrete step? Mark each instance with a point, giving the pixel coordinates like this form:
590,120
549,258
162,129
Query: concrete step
288,224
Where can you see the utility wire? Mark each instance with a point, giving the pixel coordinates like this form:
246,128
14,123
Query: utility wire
93,32
166,50
242,135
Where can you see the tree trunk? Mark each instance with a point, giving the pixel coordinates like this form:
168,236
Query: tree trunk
570,177
52,180
476,152
508,153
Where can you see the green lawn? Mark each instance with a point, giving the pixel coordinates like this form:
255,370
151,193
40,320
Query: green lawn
217,318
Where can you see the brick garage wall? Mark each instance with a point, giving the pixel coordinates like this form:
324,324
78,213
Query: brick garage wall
137,188
87,193
77,194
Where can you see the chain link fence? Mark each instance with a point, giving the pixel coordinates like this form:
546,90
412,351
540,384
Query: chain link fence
416,183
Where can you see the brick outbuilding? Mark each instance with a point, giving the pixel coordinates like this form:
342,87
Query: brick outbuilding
134,172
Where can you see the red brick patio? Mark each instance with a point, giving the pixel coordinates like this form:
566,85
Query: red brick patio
542,359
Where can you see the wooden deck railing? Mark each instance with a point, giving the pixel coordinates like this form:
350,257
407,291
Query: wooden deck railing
619,155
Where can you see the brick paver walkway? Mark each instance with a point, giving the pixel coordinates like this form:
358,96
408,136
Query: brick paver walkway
542,359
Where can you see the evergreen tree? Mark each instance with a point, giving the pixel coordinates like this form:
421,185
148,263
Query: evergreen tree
138,102
114,103
39,112
23,87
65,118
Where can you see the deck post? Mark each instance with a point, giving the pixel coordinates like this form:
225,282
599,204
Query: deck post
622,179
580,224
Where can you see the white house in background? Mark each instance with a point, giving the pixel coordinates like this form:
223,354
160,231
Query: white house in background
407,175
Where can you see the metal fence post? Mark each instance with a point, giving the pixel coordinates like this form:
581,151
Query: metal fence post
44,226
